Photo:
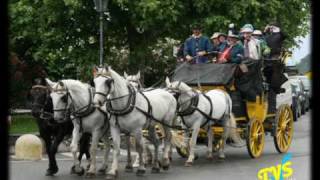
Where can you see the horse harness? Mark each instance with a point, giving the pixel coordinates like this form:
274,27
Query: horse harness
193,106
44,115
131,105
81,112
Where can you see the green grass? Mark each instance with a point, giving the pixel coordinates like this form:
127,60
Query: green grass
22,124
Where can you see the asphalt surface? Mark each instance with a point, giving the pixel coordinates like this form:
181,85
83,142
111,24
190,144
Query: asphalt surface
238,164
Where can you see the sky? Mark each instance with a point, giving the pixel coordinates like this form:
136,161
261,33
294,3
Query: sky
298,53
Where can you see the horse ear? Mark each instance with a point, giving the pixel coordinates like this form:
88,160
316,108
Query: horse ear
61,84
125,75
138,75
50,83
167,81
96,68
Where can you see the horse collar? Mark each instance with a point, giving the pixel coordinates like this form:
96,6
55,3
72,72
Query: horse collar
129,106
192,106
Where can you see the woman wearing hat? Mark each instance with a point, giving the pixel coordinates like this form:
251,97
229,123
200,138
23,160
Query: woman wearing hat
233,53
197,46
215,41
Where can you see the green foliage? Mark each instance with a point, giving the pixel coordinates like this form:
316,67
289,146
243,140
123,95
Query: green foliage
22,124
63,35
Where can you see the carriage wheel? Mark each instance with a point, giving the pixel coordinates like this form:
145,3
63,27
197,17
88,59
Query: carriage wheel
283,128
255,138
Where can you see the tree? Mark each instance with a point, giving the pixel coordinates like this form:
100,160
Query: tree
62,36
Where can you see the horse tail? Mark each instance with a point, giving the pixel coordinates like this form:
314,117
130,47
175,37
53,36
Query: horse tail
233,134
232,124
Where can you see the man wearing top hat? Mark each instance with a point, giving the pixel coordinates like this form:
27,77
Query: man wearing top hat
197,46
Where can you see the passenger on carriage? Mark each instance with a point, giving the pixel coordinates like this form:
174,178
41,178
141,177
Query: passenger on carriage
222,42
265,50
233,53
215,41
274,38
251,44
197,46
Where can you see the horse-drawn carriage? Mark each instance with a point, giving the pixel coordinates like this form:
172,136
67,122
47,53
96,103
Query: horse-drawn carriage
253,101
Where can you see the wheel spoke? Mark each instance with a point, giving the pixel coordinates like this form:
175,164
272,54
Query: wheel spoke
285,140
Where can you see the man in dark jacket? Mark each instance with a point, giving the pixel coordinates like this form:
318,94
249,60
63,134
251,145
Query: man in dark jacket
197,46
274,38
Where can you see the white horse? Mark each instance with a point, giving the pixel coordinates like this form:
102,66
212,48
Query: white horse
197,109
72,97
131,112
134,80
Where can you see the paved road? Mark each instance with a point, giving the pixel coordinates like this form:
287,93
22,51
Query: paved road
238,165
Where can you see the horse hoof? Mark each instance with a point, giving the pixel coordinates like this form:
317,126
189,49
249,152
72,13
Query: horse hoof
81,172
166,167
88,167
51,172
221,158
73,170
196,156
77,170
140,172
209,158
155,170
90,175
188,164
102,171
129,168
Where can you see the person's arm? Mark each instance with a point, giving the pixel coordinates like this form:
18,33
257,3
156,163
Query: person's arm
209,46
186,51
237,55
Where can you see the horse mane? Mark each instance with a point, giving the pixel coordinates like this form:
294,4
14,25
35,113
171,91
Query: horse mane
73,84
183,86
117,77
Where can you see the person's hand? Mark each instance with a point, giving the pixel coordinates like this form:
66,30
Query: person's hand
201,53
267,28
189,58
231,25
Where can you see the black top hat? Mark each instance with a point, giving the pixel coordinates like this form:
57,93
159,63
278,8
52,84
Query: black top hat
196,26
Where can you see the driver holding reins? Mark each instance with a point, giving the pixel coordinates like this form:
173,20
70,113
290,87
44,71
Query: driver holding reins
197,46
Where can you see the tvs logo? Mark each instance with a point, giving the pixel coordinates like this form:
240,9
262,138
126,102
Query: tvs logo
279,172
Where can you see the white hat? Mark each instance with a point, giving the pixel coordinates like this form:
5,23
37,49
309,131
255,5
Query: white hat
257,32
215,35
247,28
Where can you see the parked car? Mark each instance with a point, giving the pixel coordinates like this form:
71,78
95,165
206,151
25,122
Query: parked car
296,101
298,90
287,97
307,89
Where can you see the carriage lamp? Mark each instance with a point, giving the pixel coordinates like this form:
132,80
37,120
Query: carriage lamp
101,6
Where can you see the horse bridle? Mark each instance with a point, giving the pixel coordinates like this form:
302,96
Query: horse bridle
137,82
194,100
66,109
109,80
42,106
